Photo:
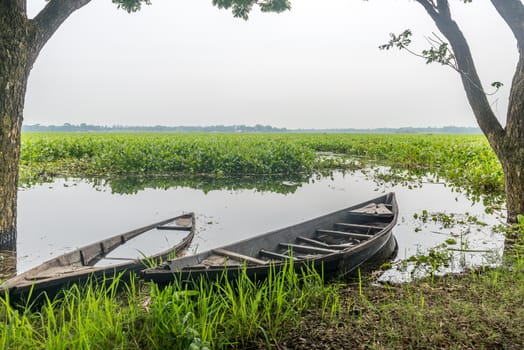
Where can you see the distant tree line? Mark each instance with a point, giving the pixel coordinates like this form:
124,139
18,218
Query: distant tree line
405,130
83,127
157,128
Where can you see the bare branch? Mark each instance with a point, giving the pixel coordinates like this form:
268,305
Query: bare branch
430,7
512,11
50,18
443,8
465,65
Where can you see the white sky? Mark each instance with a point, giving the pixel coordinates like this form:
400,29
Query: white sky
185,62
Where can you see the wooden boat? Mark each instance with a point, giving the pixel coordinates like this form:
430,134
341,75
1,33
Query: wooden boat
338,242
81,264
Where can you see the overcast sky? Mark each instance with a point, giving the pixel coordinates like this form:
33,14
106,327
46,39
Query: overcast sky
185,62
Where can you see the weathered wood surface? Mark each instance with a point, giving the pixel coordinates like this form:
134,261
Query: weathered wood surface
340,241
79,265
344,234
238,256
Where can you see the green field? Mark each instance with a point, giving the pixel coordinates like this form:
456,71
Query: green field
465,161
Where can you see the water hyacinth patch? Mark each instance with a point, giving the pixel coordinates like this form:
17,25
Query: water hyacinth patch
464,161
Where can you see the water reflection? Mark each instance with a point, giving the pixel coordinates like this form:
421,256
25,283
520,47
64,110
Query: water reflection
135,184
8,241
60,216
8,255
7,264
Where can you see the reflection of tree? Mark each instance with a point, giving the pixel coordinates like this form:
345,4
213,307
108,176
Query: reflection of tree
7,263
7,255
131,185
8,241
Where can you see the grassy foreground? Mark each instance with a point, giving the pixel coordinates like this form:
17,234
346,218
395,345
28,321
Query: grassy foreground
478,310
139,316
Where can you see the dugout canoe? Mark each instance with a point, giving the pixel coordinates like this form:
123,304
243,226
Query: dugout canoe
338,242
84,263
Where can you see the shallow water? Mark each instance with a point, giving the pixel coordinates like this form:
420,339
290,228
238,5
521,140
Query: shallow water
60,216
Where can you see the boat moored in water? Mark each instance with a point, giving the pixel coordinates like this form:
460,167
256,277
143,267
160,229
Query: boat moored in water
88,261
338,242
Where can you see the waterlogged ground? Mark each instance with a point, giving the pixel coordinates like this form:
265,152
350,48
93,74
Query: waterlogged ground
57,217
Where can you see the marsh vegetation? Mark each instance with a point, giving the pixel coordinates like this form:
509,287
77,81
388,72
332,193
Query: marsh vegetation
482,306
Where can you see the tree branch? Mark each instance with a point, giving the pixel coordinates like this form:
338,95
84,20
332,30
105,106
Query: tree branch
486,119
49,20
443,8
512,11
430,8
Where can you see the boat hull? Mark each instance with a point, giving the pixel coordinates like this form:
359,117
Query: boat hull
380,245
79,266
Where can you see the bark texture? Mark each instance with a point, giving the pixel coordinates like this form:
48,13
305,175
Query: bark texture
514,177
14,49
21,40
508,142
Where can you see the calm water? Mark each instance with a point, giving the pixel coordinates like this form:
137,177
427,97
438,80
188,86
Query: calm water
61,216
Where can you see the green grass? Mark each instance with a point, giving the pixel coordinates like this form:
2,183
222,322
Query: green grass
477,310
213,315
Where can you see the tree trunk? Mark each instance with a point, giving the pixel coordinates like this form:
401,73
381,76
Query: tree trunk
514,177
513,156
21,40
10,126
508,142
513,165
14,71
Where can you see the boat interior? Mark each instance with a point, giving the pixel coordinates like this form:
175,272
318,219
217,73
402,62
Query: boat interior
332,234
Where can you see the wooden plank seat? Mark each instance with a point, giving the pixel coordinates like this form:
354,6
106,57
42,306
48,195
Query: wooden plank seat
330,239
172,227
273,255
238,256
321,244
365,218
374,209
307,248
371,215
349,235
387,205
358,226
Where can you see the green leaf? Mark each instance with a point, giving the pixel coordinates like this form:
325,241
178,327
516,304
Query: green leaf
400,41
131,5
242,8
